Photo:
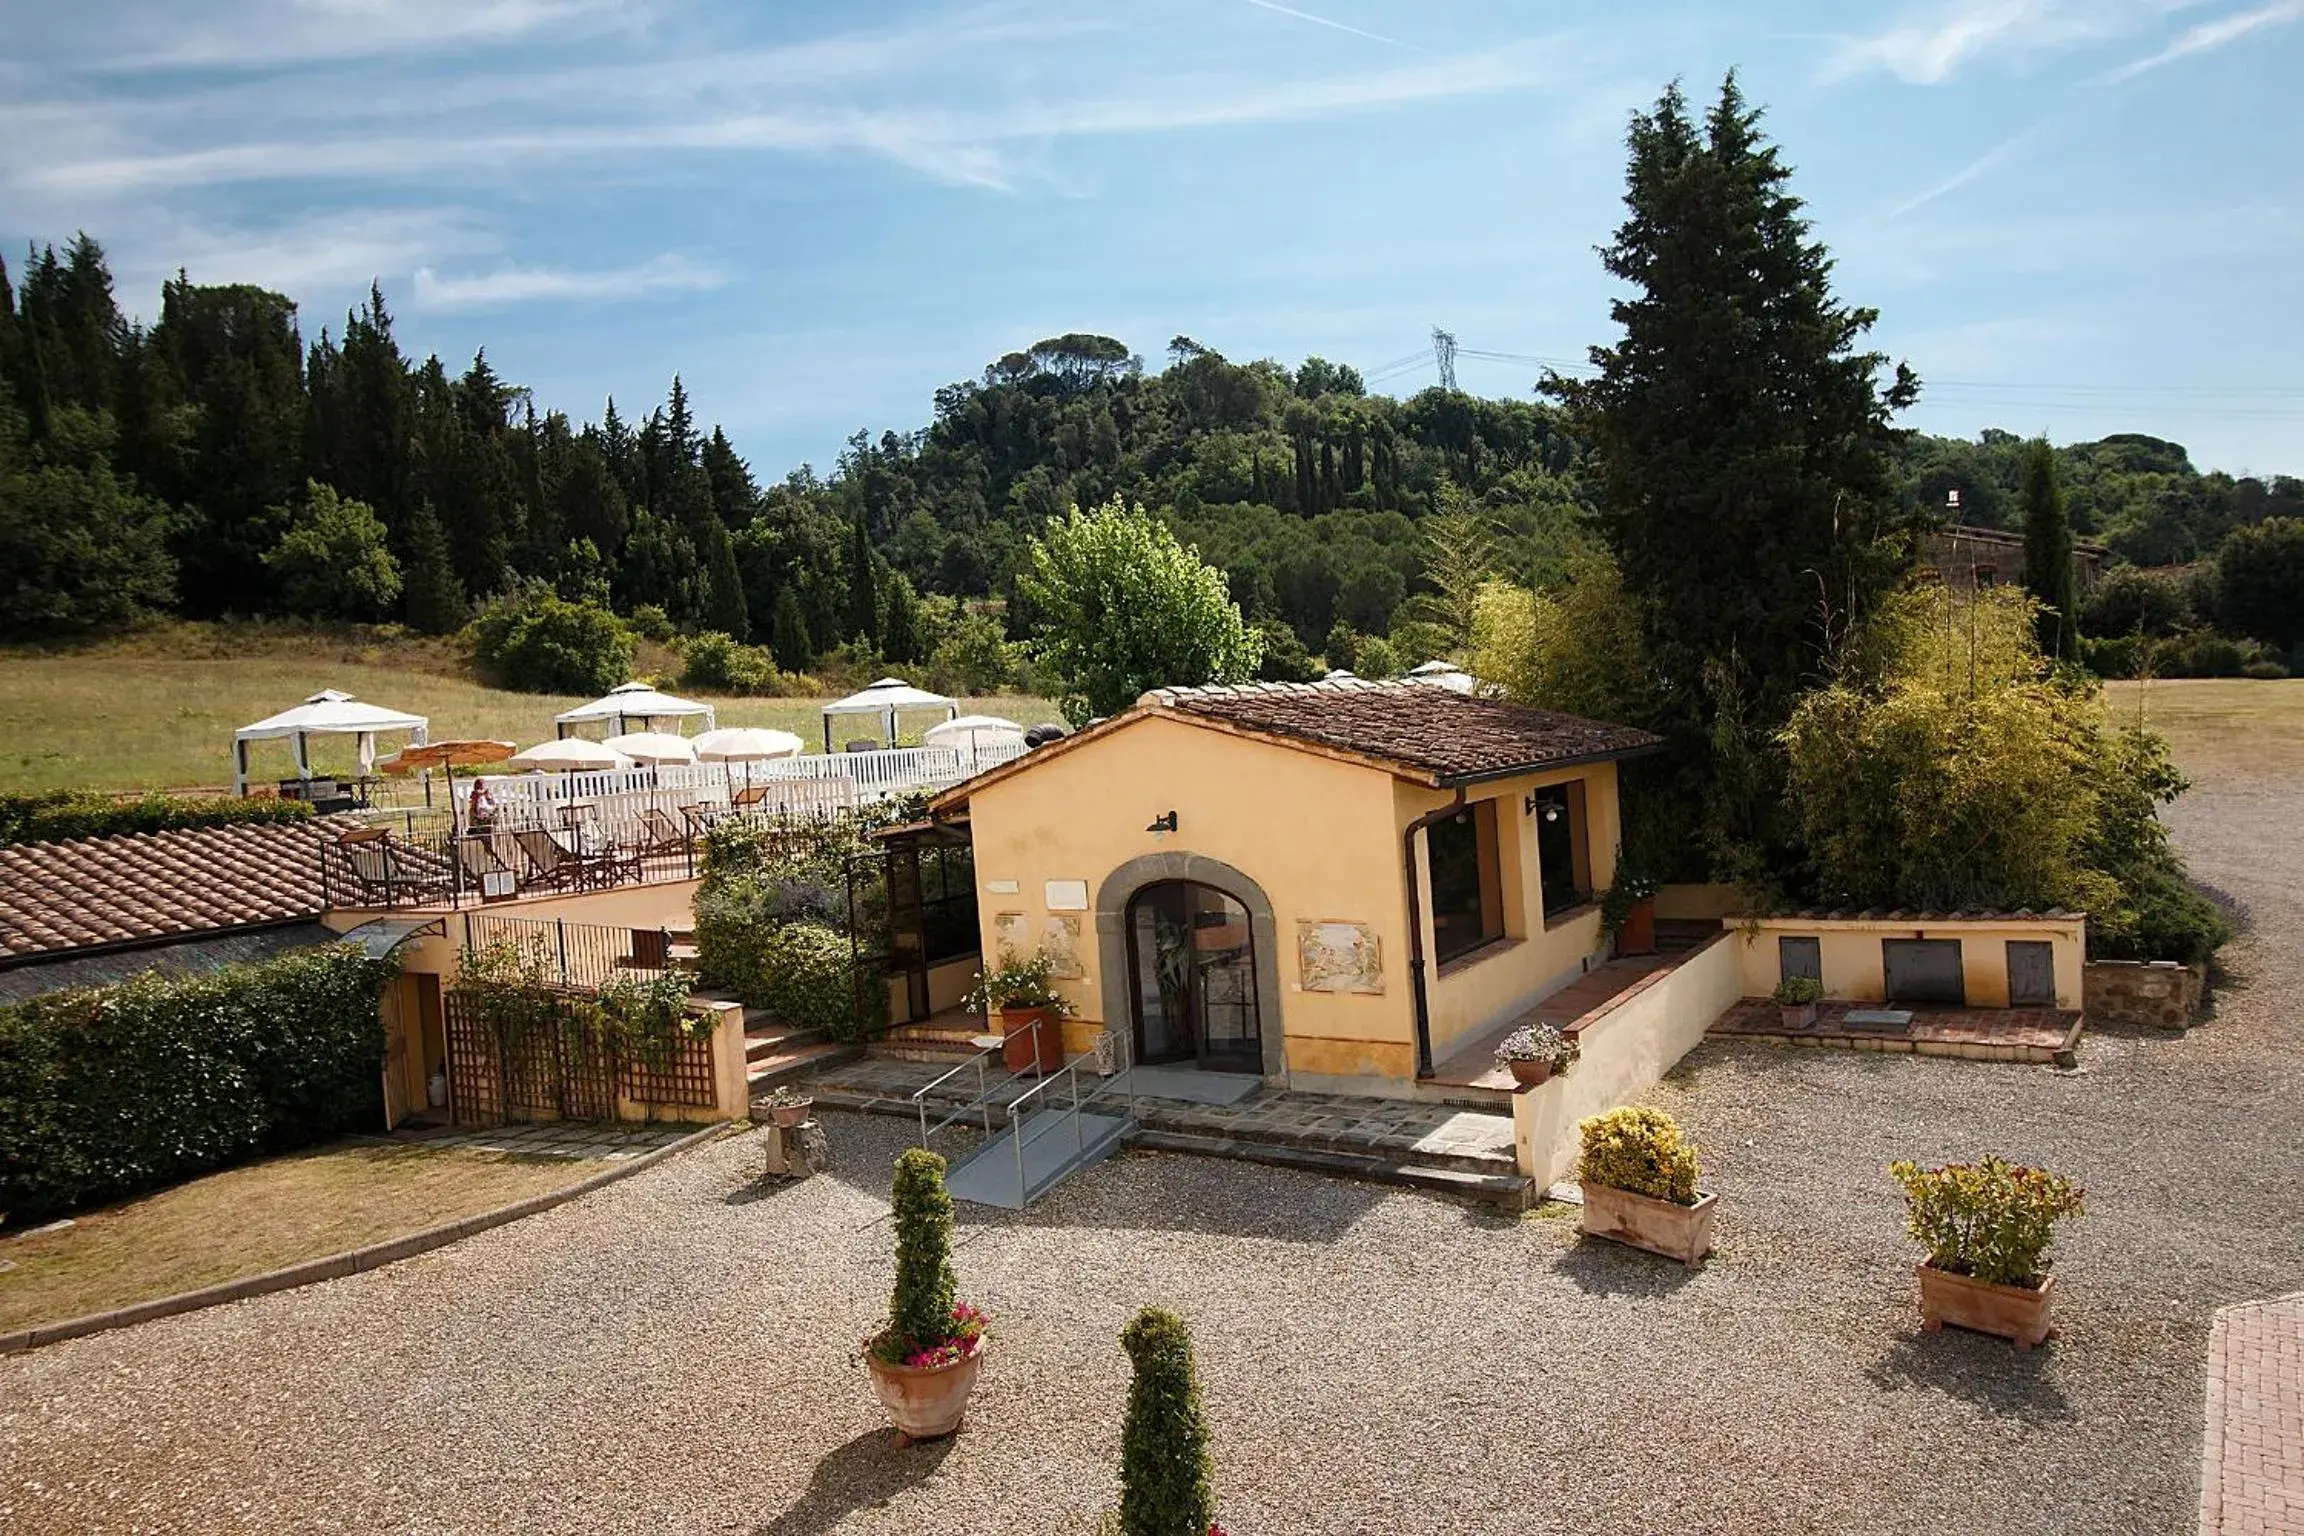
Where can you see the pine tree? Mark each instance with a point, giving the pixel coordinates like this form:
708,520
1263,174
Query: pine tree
789,639
433,597
1166,1485
724,606
1739,447
2048,555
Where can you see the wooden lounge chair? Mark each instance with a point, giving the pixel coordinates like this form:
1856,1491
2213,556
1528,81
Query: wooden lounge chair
549,864
476,860
660,834
386,872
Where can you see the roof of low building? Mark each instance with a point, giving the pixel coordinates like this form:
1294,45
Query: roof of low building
1910,915
1415,730
150,887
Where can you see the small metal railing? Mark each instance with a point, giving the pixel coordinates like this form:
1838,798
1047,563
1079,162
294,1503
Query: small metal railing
1014,1110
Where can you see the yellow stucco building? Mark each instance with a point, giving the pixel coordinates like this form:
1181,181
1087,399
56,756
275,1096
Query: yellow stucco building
1328,884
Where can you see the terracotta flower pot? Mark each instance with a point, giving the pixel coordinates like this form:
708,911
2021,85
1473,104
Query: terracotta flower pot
1637,934
1531,1074
1797,1015
926,1401
792,1116
1682,1232
2018,1312
1035,1050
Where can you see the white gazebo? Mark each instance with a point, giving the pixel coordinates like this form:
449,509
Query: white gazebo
326,713
630,707
883,701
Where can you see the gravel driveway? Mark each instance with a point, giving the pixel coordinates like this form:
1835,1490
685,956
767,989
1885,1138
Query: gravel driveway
672,1354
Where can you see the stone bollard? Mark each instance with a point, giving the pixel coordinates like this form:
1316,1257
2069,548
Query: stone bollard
795,1152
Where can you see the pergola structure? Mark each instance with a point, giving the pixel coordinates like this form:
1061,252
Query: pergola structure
883,701
630,707
326,713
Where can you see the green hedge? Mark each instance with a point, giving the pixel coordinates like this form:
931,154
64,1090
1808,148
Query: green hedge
108,1092
61,815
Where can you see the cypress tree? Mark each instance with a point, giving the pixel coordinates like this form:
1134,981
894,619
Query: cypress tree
1739,458
2048,554
790,637
900,635
724,606
863,585
1166,1487
433,596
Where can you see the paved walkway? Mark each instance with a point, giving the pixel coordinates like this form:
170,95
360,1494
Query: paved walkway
2043,1035
564,1138
2252,1460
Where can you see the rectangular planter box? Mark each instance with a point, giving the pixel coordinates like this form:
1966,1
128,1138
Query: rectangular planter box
1682,1232
2005,1311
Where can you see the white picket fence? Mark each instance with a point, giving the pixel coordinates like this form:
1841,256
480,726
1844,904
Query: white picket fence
833,779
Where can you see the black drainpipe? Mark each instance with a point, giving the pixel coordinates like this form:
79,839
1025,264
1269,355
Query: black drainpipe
1416,930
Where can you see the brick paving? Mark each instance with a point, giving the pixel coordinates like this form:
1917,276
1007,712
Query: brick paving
1981,1034
2252,1457
610,1142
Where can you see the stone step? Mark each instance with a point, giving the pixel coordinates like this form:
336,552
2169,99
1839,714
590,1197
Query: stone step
769,1039
1194,1120
767,1072
921,1051
1511,1191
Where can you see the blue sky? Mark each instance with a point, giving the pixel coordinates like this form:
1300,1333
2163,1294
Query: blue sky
2076,216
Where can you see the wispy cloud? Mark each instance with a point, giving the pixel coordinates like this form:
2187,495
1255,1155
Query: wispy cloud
274,32
1323,21
1937,43
2211,35
669,273
1983,165
961,147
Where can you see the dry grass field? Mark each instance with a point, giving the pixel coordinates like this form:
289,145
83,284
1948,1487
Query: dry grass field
2219,725
158,711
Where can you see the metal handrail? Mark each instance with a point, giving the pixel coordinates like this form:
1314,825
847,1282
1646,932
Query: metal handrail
983,1099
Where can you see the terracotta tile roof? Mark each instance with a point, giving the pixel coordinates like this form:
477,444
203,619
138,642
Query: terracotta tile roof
1904,915
1423,728
150,886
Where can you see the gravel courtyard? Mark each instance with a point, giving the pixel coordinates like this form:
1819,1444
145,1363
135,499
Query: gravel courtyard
673,1354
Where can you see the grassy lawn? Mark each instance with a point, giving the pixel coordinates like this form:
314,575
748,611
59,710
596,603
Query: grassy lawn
158,711
2218,724
247,1220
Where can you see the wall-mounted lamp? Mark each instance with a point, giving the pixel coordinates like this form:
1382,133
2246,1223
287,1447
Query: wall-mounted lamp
1164,822
1551,807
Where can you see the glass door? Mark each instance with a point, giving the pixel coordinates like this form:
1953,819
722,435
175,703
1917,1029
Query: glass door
1192,970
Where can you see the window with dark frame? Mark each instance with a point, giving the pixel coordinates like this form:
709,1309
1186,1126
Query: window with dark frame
1563,863
1800,957
1467,895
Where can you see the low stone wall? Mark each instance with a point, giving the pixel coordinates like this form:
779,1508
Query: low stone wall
2158,993
1627,1046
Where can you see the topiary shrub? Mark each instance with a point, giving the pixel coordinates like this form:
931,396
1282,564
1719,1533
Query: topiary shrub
809,978
1991,1220
1167,1486
927,1324
1639,1149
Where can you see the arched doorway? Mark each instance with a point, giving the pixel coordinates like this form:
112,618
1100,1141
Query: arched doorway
1192,978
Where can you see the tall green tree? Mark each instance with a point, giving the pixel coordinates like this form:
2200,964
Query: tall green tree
1120,607
863,584
2260,581
1739,448
436,601
334,561
789,636
2048,555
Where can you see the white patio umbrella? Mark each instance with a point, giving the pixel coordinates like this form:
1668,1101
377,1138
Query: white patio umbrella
653,747
1446,674
883,701
571,754
746,744
971,735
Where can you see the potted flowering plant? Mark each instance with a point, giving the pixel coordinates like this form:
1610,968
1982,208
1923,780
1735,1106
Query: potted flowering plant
1536,1053
1796,999
1628,912
1638,1175
788,1107
924,1358
1986,1227
1021,990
